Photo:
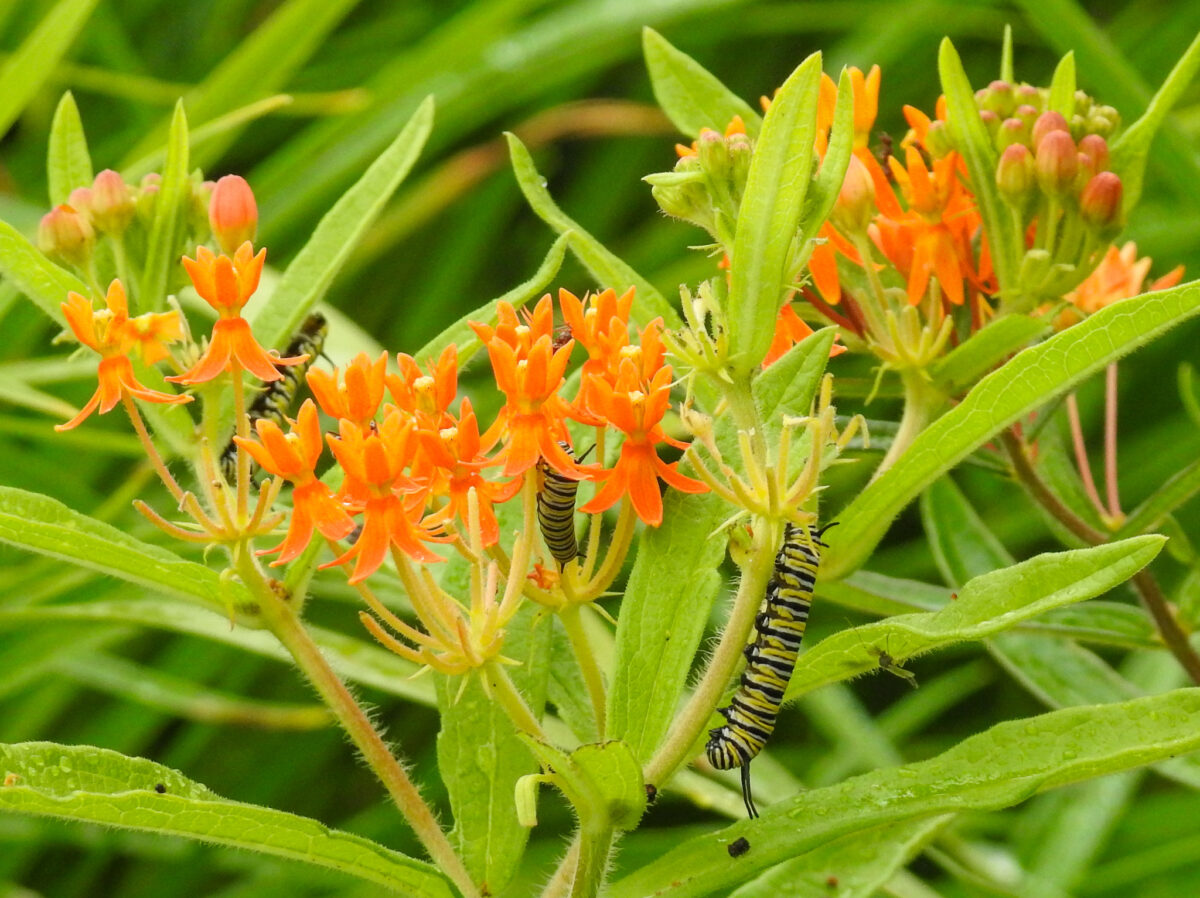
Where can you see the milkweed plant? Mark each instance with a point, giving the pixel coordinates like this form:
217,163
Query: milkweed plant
578,560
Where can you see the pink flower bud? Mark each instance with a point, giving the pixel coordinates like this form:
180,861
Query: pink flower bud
1011,130
80,199
66,235
1016,174
1100,202
112,203
1057,162
233,213
1095,148
1046,123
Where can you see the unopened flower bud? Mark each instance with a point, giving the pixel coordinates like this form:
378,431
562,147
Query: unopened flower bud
1095,148
999,98
1083,102
1011,131
991,121
1029,95
112,203
937,140
1100,203
1027,114
65,234
80,199
1057,163
855,206
1046,123
741,151
233,213
1016,174
147,197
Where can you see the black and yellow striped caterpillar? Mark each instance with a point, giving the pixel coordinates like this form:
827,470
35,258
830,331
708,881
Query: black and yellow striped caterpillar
276,397
750,716
556,511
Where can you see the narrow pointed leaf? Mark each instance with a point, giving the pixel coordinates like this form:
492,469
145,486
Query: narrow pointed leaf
1062,87
828,183
69,165
35,275
996,769
691,96
94,785
170,212
605,267
769,216
984,349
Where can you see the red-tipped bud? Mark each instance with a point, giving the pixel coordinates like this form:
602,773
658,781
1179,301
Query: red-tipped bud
1100,203
65,234
233,213
855,205
1095,148
1047,123
1030,95
999,98
1057,163
1016,174
112,203
80,199
990,120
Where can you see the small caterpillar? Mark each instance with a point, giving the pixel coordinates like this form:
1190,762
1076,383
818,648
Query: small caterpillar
276,397
750,716
556,511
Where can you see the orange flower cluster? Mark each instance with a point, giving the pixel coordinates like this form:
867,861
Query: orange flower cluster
410,465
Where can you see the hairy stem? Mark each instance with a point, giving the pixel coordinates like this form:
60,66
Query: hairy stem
505,692
1081,459
160,466
289,630
1110,444
1143,581
572,620
920,402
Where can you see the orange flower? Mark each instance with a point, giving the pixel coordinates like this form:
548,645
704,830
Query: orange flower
637,409
375,484
455,454
1119,275
529,371
427,397
600,322
113,334
358,400
933,237
790,329
294,457
226,285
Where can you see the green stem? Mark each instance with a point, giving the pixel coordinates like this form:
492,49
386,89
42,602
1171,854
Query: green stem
921,401
505,691
699,708
571,617
595,845
283,621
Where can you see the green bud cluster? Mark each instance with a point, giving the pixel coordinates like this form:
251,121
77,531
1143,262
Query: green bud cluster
706,186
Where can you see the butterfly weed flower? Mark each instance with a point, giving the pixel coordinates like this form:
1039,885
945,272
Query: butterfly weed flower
354,394
294,457
426,396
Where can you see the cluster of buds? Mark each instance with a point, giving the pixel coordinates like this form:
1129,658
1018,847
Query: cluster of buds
707,183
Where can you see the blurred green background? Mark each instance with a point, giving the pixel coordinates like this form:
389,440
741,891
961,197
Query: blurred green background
568,77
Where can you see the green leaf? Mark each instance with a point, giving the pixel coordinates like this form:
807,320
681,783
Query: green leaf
1178,489
1032,378
258,64
769,216
35,60
970,138
353,658
987,604
317,264
35,275
605,267
998,768
976,356
481,757
69,165
1006,57
94,785
828,184
40,524
170,212
1062,87
460,334
691,96
602,780
789,386
863,862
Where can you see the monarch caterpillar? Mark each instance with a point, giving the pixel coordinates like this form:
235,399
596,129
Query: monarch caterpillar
750,716
556,511
276,397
